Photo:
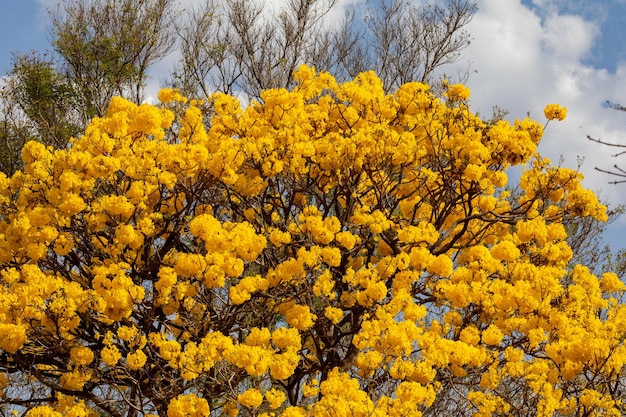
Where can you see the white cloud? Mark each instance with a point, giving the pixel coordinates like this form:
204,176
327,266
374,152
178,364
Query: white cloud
568,38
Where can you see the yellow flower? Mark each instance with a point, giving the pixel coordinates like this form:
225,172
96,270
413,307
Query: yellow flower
421,258
127,333
34,151
506,251
110,355
470,335
368,362
167,95
324,284
251,398
258,337
492,335
189,405
283,365
293,412
333,314
63,244
311,388
415,393
300,317
279,238
440,265
81,355
136,360
458,92
12,337
231,409
42,411
555,112
275,398
610,282
286,338
75,380
346,239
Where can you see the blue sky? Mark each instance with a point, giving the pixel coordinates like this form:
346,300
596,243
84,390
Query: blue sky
22,28
525,54
608,15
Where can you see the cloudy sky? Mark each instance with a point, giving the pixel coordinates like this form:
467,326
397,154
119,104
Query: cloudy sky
524,55
527,54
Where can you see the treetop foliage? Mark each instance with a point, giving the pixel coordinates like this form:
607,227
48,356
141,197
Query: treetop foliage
328,250
347,243
104,48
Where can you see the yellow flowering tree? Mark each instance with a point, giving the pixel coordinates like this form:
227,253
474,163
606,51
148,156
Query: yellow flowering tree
333,250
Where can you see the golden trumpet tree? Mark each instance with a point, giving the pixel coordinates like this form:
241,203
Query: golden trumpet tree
332,250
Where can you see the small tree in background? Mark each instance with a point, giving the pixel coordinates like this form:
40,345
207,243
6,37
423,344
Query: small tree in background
15,131
47,100
107,46
101,48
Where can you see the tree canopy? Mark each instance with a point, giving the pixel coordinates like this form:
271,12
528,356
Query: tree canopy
104,48
328,250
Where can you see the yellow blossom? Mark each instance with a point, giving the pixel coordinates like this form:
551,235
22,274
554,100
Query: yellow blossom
12,337
188,405
136,360
492,335
333,314
81,355
251,398
555,112
275,398
458,92
110,355
300,317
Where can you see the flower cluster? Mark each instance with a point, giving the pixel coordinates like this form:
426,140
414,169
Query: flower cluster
555,112
328,250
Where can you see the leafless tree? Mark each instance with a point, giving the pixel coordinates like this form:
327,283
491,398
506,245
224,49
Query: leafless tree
616,170
239,46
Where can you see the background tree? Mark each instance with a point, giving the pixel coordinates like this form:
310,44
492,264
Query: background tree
329,250
240,47
15,131
101,48
107,46
46,97
402,42
616,170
